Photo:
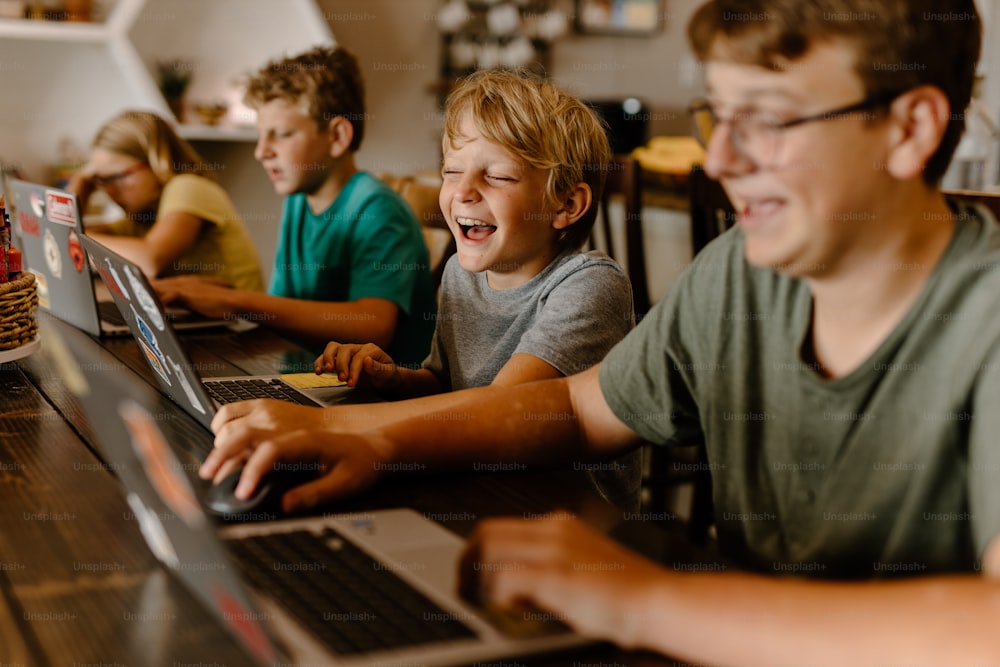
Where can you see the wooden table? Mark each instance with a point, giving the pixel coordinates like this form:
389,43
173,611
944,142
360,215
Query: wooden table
79,585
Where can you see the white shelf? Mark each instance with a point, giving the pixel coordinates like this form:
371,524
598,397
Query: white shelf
69,78
55,31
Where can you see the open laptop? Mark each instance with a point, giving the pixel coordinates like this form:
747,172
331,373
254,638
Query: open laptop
162,350
47,223
363,588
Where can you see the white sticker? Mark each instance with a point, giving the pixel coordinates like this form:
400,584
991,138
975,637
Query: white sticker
52,257
145,299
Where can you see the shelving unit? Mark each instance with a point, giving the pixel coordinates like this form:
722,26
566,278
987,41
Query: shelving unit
61,81
476,37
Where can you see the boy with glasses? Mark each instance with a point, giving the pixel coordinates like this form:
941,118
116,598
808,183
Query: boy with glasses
838,351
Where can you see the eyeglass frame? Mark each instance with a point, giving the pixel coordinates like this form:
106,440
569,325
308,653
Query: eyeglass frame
117,178
738,139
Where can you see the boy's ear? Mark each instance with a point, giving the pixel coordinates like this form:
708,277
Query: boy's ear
919,120
574,204
341,134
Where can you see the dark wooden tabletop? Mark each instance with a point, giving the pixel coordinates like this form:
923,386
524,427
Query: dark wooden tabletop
79,585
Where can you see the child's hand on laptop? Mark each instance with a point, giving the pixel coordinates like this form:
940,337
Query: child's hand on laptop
202,294
367,366
265,433
558,569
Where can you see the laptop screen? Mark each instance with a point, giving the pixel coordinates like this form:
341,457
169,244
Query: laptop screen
47,225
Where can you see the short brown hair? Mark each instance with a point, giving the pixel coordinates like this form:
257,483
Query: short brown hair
900,44
147,137
327,80
544,126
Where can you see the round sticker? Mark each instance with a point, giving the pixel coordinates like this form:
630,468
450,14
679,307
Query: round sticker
76,254
145,299
53,259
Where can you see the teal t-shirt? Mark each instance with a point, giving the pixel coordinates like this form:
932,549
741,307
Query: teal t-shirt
889,470
367,243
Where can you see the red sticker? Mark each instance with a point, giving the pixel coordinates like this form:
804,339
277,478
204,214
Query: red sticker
76,254
60,207
29,223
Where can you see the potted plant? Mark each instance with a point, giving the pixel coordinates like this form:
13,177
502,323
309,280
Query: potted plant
175,77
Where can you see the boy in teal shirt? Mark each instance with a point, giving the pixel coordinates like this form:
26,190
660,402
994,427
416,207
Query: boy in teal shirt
351,263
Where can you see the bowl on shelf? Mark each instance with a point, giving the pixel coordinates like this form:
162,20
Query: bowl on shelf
210,113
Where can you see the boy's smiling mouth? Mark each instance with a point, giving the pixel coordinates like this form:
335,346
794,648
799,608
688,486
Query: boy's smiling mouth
475,230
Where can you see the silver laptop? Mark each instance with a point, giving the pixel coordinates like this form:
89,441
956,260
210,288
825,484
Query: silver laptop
162,350
47,223
363,588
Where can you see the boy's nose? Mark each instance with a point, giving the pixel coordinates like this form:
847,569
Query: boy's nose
466,188
722,157
261,149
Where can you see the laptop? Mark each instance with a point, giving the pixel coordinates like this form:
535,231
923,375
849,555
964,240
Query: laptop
47,223
162,350
366,588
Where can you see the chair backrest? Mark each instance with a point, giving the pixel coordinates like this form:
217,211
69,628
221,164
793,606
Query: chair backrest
423,199
711,211
990,200
625,181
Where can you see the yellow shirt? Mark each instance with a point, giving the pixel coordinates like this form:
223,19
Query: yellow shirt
223,249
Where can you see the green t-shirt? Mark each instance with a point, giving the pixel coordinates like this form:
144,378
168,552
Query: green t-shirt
890,470
366,244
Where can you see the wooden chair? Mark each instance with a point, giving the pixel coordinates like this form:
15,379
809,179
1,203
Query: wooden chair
625,182
423,199
711,211
990,200
669,472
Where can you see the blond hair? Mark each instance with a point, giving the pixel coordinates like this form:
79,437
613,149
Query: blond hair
326,80
544,126
147,137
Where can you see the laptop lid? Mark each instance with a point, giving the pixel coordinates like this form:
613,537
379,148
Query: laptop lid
163,351
159,493
420,552
145,316
47,223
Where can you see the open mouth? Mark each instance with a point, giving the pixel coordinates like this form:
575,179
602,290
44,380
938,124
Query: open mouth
475,230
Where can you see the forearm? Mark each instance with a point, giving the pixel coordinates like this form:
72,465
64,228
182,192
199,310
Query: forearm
753,620
316,322
528,424
415,383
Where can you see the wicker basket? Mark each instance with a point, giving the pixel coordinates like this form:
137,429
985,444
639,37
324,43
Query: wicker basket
18,302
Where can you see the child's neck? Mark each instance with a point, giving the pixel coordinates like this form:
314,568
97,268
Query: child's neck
343,169
857,309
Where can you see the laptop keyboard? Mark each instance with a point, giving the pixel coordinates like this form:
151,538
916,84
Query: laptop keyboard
230,391
350,601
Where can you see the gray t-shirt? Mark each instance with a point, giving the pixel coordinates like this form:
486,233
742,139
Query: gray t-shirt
889,470
569,315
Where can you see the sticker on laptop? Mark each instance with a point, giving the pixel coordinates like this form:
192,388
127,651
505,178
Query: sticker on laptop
112,280
145,299
37,205
60,207
154,454
29,223
53,258
76,253
186,386
151,348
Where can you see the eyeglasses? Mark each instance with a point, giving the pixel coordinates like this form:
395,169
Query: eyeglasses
116,179
757,135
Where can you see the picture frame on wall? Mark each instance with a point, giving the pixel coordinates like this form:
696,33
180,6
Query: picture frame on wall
619,17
